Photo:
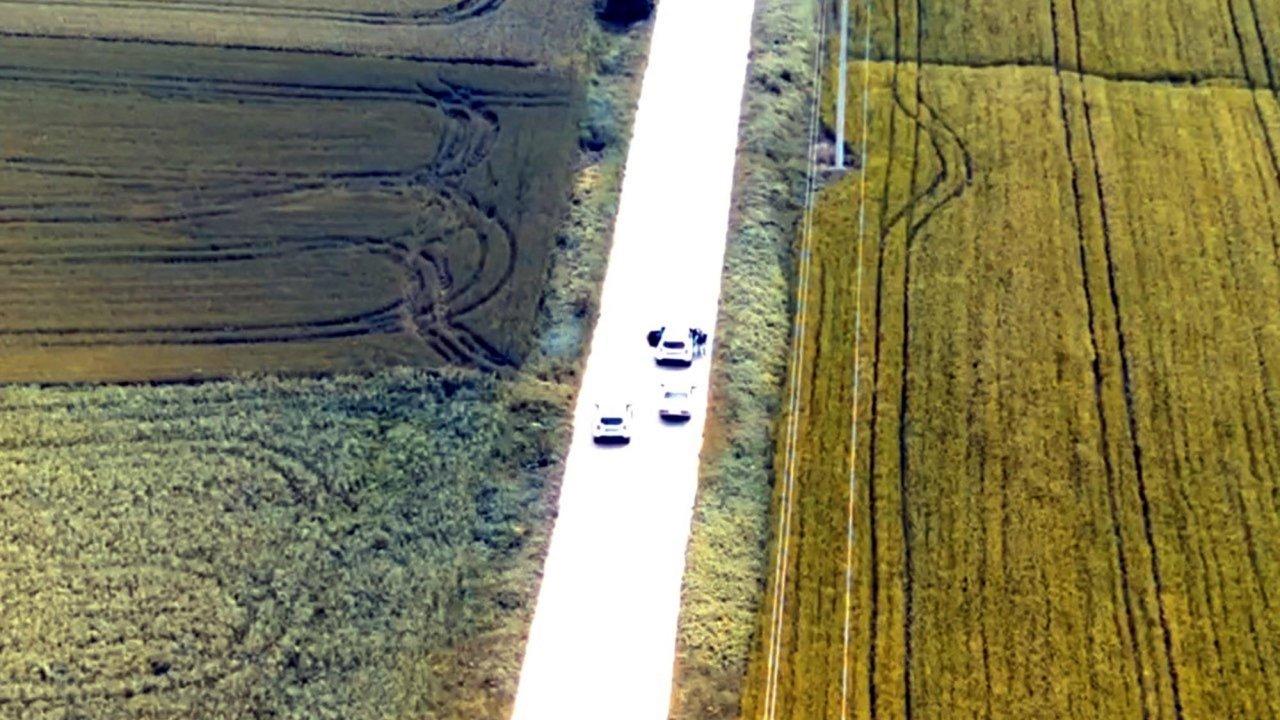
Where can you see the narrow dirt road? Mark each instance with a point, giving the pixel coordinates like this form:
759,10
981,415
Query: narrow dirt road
602,642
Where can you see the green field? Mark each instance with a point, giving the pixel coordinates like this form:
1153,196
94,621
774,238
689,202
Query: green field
251,211
1065,502
515,33
358,547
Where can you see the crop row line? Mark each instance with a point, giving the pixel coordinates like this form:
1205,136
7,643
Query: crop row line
884,228
322,52
448,15
1096,363
1171,665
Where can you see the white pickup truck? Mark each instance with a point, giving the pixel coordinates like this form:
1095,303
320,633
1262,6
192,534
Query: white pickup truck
677,345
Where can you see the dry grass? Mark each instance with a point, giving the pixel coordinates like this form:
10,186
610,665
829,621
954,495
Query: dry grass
1066,499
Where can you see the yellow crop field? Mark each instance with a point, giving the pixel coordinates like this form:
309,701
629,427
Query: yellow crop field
247,211
1066,496
1129,38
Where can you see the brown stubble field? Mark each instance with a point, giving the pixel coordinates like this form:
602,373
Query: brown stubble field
1065,503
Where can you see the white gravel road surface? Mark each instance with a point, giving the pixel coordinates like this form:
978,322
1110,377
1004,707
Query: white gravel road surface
602,643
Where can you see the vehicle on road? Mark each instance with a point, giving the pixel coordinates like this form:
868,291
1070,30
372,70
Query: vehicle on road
677,344
613,423
676,403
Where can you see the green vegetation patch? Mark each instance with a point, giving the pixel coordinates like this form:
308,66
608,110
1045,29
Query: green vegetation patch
173,213
341,548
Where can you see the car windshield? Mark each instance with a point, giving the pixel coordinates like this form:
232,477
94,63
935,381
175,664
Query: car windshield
673,344
610,421
676,395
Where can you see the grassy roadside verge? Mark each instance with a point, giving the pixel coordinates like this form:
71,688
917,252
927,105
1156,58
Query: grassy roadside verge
726,565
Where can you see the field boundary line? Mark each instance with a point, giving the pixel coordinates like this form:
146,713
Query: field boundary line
857,364
781,561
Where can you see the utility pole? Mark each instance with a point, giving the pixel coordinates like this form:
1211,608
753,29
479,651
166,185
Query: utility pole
840,93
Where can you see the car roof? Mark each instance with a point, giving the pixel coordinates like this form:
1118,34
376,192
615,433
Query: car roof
612,407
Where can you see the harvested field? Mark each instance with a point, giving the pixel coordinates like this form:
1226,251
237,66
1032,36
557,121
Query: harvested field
246,211
358,547
1066,502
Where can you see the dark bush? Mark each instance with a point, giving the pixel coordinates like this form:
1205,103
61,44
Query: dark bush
624,12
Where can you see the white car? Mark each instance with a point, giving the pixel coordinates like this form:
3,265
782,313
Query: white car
676,402
677,345
613,423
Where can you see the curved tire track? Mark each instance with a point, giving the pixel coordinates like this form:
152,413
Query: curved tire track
472,127
456,12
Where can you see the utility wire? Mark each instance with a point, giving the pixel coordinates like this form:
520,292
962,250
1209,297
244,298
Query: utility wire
781,562
857,367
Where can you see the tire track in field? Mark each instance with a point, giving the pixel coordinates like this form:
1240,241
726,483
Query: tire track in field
947,186
1273,154
1236,490
1096,365
435,303
450,14
458,152
1171,665
904,470
1266,50
956,170
1266,413
1274,157
883,231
